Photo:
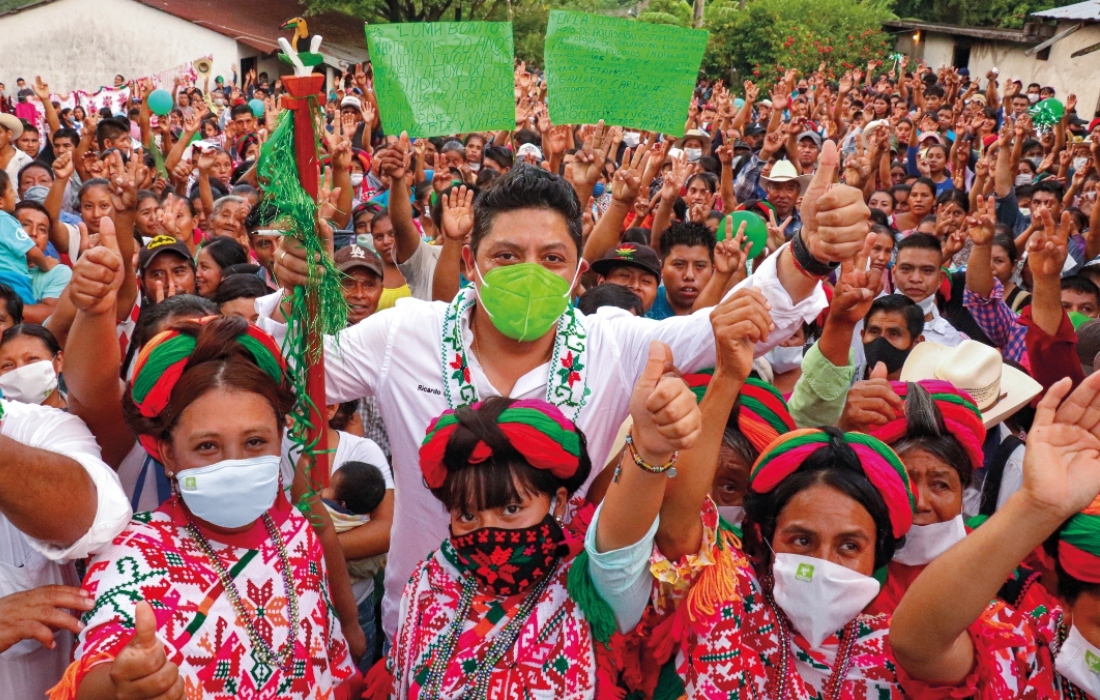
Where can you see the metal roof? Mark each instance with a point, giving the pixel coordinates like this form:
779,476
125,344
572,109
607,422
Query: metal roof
1088,11
991,33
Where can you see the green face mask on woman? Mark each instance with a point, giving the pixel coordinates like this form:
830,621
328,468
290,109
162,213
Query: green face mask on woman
524,300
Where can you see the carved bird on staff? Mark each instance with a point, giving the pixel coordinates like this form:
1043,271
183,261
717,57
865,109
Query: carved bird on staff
302,50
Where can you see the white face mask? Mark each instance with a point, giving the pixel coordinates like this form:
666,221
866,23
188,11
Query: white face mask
734,515
818,596
693,154
1080,163
31,383
231,493
784,359
356,179
1032,97
926,305
923,543
1079,662
632,139
1023,179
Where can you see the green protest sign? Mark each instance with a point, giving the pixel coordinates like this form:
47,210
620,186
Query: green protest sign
630,73
441,78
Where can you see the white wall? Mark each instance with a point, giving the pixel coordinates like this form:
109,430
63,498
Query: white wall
1064,74
82,44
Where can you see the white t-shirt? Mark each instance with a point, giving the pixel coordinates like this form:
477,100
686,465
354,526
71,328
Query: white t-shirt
350,448
28,670
397,357
419,270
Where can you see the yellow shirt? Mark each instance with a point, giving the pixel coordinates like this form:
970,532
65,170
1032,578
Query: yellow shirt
390,296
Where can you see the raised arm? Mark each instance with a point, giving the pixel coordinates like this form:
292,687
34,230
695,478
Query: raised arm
624,191
93,359
124,179
42,92
458,221
59,233
1061,477
739,323
394,163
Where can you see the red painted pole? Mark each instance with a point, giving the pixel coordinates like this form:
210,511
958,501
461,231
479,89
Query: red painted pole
305,154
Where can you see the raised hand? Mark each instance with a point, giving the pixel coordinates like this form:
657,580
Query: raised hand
666,415
835,217
394,161
675,178
871,403
458,213
777,233
63,166
141,671
589,161
729,257
41,89
124,181
740,321
1062,461
97,274
982,223
857,286
1047,248
35,613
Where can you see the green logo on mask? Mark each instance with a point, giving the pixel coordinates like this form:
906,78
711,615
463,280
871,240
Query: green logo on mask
1093,661
525,300
805,572
189,483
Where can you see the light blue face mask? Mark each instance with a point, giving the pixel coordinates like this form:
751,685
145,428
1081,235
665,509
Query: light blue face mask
231,493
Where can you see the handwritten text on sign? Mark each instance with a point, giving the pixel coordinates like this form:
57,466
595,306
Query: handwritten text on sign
626,72
442,78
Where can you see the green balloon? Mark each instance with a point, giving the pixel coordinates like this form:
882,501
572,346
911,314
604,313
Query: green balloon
1047,112
756,230
160,102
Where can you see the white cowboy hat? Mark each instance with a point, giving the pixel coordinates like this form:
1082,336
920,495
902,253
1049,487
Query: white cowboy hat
12,124
784,171
998,390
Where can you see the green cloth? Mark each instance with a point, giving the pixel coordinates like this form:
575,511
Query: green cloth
818,397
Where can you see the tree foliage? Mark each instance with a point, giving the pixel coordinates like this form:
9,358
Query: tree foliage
1008,14
770,36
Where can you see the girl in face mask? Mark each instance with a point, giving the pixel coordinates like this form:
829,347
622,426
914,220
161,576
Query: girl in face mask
491,608
209,400
949,640
30,361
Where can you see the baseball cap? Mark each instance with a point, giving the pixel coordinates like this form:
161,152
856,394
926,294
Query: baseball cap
629,254
355,255
812,135
159,245
351,101
531,148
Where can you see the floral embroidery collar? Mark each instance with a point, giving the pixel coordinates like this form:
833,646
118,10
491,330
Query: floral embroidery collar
567,386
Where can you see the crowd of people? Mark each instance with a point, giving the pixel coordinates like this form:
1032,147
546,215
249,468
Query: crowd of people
801,404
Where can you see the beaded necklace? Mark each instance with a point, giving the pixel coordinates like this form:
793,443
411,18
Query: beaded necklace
283,658
785,671
1069,690
500,645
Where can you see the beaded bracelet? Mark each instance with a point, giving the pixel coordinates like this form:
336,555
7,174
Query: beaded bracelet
669,466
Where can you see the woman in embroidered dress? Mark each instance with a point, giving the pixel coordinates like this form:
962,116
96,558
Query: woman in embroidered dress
824,511
939,436
951,642
489,614
221,592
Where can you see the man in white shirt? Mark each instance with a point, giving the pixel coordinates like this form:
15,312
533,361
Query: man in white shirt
58,503
430,356
918,274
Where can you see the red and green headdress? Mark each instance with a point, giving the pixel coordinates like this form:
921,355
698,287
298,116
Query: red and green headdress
537,430
762,414
881,465
1079,545
162,361
961,417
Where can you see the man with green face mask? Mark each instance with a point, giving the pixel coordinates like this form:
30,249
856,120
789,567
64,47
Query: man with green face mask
514,333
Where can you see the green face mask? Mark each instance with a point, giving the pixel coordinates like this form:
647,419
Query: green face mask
525,300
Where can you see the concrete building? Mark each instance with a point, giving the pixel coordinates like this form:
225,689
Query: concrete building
1057,47
82,44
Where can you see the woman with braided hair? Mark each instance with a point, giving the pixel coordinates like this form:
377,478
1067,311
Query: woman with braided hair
950,641
489,614
222,591
938,435
779,616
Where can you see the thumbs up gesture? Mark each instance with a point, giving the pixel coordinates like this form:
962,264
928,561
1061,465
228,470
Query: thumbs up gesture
142,670
835,217
871,403
666,415
97,275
